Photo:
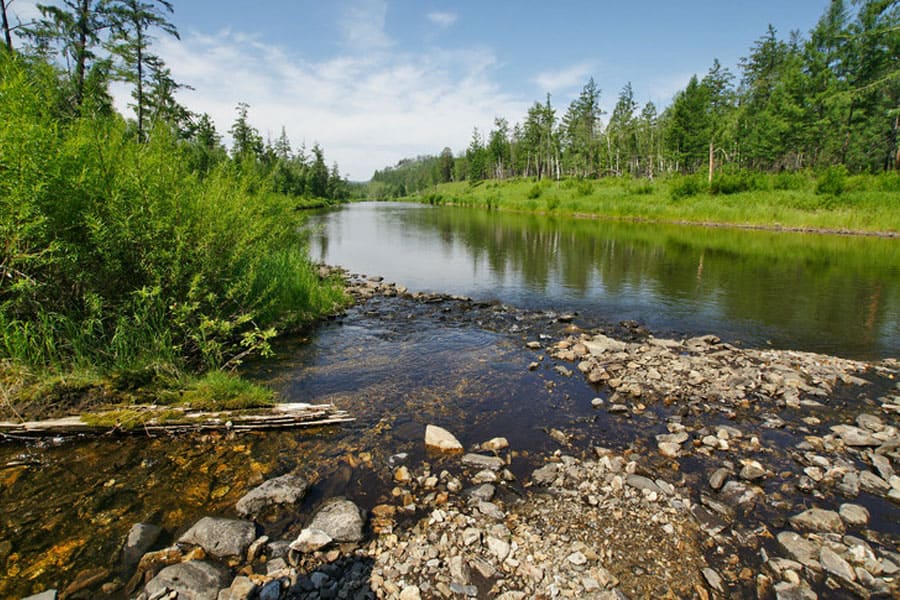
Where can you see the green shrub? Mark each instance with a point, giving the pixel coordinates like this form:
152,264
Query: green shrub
684,187
116,254
534,192
832,181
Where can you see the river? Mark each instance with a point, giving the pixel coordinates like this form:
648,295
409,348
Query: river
396,365
832,294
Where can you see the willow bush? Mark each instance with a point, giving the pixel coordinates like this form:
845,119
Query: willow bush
115,254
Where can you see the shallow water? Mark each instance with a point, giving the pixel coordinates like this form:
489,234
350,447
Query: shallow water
837,295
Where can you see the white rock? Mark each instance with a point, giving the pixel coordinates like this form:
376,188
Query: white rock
441,440
310,540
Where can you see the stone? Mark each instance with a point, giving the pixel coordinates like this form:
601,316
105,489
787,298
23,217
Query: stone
140,539
410,592
854,436
597,402
483,462
497,547
220,537
465,590
242,588
192,580
287,489
670,449
512,595
310,540
601,343
491,510
270,591
402,475
495,444
791,591
440,440
800,549
883,465
718,478
340,519
577,559
642,483
836,565
872,483
854,514
870,422
45,595
713,579
817,519
752,470
459,570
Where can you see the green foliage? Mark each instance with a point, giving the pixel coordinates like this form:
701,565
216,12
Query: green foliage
116,254
832,181
534,192
685,187
223,391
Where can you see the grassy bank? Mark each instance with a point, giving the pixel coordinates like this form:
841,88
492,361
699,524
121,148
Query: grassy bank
830,201
127,275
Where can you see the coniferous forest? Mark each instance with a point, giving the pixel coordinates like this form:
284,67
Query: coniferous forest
827,100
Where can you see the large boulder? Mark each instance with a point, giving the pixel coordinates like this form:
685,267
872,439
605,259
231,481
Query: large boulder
192,580
340,519
287,489
221,537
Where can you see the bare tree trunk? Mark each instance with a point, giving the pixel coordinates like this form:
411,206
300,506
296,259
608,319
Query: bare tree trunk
6,30
140,82
712,161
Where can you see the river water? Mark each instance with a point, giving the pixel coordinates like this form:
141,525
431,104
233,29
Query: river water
397,365
836,295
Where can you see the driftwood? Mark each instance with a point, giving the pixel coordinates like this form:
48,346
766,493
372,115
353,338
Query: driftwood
280,416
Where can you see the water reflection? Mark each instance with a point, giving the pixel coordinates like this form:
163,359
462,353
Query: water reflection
832,294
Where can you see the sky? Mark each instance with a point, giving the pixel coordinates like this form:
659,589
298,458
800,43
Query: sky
376,81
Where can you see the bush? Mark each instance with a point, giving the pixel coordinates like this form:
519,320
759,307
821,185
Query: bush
534,192
832,181
116,254
684,187
789,181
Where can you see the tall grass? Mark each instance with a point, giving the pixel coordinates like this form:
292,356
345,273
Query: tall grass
114,254
828,200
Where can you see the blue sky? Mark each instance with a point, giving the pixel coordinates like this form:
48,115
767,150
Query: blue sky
375,81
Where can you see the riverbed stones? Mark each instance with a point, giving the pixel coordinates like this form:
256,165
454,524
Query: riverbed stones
192,580
220,537
45,595
854,514
439,439
719,477
340,519
483,462
140,539
286,489
311,540
800,549
854,436
495,444
817,519
834,564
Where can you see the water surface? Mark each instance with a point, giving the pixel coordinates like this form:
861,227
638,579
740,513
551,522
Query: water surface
824,293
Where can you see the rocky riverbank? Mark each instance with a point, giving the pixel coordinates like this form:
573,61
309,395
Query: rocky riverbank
751,473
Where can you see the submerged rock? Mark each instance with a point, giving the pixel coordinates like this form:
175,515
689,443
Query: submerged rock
220,537
140,539
287,489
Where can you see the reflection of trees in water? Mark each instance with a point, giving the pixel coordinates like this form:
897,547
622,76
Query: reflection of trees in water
847,288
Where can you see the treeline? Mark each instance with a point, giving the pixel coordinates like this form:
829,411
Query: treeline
140,245
102,41
831,98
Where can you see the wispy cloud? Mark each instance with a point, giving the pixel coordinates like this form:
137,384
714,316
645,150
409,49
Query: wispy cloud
443,19
368,110
564,79
362,25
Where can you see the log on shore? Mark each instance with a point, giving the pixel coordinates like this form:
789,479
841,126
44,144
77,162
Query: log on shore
280,416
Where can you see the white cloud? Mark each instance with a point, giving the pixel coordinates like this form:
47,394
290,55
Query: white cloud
663,89
564,79
362,24
443,19
367,110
